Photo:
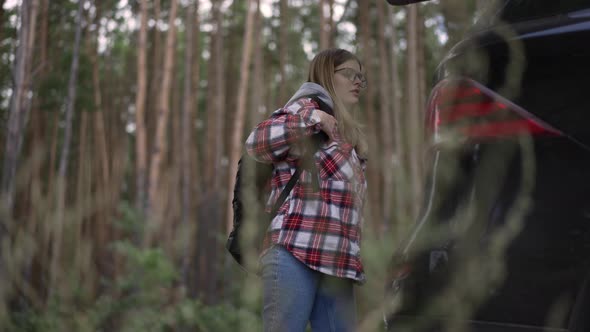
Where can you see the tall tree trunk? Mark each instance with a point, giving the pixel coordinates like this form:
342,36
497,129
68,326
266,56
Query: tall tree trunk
333,31
216,224
173,170
366,38
385,108
20,105
413,108
258,101
400,184
215,96
239,119
37,116
210,206
64,155
29,152
38,151
324,25
156,74
196,83
101,228
1,17
99,121
140,122
51,174
18,110
283,50
187,145
41,124
160,144
44,33
421,67
83,178
191,263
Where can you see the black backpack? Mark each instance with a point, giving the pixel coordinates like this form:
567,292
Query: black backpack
251,192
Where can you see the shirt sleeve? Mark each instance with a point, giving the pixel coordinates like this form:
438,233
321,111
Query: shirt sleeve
273,139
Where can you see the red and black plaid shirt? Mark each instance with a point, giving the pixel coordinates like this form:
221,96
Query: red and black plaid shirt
320,228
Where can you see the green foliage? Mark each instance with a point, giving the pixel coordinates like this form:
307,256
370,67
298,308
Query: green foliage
146,296
218,318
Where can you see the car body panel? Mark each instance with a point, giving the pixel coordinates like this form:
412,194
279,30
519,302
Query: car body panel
503,240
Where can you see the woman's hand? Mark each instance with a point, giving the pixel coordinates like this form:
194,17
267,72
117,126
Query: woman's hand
328,124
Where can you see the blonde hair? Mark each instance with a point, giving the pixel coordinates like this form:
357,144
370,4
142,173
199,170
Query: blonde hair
321,71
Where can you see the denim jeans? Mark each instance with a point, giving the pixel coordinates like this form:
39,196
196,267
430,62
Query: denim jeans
294,294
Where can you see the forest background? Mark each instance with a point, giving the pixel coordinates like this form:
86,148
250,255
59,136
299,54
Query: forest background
122,122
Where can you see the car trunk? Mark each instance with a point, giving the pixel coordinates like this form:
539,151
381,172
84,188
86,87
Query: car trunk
504,238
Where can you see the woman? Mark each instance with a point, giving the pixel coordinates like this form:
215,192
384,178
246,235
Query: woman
312,256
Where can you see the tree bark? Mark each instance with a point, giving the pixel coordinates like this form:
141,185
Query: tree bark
191,270
155,81
215,96
333,31
44,32
99,121
237,132
19,109
39,126
18,106
160,143
421,67
64,155
211,208
187,133
413,109
374,168
399,169
140,118
101,230
385,108
283,51
38,153
196,79
83,176
324,26
258,101
1,17
216,225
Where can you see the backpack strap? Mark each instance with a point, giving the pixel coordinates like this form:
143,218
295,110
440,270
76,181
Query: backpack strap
323,106
285,192
308,162
317,140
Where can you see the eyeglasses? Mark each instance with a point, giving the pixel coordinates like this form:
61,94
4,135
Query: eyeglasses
352,75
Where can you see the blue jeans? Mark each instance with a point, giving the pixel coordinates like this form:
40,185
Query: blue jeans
294,294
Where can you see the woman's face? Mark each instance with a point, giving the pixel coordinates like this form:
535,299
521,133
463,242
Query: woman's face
348,80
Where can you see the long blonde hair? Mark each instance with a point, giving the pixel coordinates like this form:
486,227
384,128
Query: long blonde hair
321,71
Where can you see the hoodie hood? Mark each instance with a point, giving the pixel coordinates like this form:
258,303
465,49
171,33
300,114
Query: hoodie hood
308,89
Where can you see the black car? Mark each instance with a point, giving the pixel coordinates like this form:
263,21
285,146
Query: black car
503,240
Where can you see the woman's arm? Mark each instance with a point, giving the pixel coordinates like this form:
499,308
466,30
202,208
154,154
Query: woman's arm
272,139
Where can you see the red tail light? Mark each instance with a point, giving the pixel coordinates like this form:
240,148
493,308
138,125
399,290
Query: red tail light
469,109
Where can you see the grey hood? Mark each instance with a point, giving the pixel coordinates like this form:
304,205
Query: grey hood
309,88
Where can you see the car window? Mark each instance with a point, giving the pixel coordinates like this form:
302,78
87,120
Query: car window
522,10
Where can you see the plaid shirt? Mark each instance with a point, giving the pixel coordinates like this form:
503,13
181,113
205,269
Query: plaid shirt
320,228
